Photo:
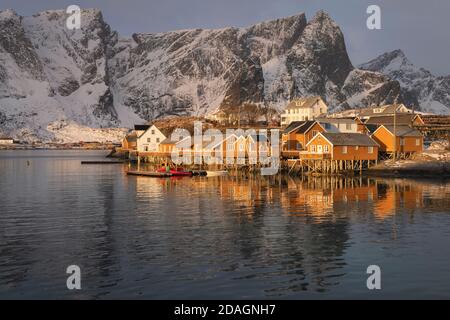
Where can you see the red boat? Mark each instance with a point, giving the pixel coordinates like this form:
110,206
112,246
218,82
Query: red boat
177,172
180,172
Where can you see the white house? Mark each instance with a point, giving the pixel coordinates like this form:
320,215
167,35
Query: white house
6,140
150,139
303,109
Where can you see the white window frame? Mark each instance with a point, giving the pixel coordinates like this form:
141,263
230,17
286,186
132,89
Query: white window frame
344,149
417,142
326,148
370,149
313,148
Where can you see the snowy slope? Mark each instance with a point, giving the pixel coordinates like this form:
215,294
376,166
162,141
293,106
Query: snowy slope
53,79
419,86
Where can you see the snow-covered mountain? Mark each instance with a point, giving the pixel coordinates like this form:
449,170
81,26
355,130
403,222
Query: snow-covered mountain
54,79
419,87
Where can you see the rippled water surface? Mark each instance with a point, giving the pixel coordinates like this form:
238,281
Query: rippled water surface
229,237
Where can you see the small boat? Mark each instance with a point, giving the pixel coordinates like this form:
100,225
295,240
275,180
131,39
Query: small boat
149,174
216,173
180,172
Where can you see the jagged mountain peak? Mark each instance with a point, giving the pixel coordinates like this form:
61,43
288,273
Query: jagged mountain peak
420,88
392,60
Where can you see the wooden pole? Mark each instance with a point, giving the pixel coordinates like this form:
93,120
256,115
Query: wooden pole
395,133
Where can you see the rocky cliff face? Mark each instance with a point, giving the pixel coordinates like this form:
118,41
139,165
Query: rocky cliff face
52,77
420,88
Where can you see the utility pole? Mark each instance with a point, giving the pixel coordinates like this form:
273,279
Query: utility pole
395,133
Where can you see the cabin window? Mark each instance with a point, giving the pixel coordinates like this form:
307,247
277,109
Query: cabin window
153,131
230,146
326,148
157,140
241,147
344,149
146,148
370,149
402,141
313,148
348,126
356,147
149,140
417,142
306,118
314,132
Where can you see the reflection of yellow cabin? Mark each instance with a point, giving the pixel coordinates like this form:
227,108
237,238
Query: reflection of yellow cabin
398,195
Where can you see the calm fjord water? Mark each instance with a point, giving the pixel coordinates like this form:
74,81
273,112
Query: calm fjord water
273,237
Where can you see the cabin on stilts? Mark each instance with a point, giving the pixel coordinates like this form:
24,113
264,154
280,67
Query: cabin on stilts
333,153
401,141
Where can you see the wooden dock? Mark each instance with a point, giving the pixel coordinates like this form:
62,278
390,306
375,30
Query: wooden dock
149,174
102,162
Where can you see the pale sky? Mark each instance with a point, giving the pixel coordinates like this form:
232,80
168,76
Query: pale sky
419,27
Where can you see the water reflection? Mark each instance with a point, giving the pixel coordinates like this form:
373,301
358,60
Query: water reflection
223,237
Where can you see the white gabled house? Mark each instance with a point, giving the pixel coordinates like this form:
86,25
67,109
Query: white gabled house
303,109
150,140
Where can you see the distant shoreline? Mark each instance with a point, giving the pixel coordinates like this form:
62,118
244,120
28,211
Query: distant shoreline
89,146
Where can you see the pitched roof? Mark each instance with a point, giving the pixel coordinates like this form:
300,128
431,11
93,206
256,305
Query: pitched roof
385,110
349,139
336,120
299,126
403,131
141,126
168,141
401,119
304,102
306,126
293,125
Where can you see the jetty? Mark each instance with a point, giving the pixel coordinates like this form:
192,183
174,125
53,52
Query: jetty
103,162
